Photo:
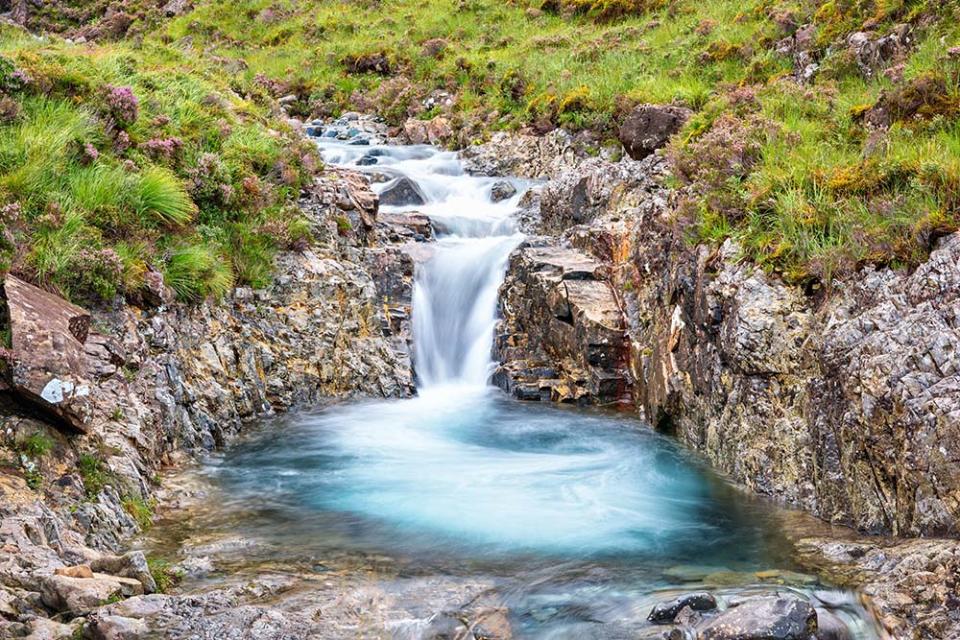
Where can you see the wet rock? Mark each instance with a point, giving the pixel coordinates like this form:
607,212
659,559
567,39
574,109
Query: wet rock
762,618
523,156
502,190
649,126
402,192
414,226
48,364
666,612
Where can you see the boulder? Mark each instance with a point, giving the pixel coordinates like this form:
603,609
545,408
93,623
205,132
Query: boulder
666,612
76,596
176,7
130,565
502,190
437,131
402,192
775,617
649,126
109,627
47,360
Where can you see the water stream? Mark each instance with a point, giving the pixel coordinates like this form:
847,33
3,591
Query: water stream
574,521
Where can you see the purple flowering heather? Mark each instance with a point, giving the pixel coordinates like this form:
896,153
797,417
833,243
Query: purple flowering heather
162,148
122,105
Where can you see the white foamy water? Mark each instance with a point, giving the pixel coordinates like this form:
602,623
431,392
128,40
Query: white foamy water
455,292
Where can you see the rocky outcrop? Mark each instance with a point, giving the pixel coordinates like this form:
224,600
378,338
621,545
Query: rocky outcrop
562,334
171,378
47,364
844,403
648,127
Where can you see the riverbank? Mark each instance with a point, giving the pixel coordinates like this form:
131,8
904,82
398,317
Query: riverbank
367,313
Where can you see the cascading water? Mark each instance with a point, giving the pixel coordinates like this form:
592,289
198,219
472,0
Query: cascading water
574,521
455,291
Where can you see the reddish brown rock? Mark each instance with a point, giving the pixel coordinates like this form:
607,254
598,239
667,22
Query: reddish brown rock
47,359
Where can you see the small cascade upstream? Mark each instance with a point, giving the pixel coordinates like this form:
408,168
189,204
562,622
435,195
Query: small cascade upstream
573,523
455,292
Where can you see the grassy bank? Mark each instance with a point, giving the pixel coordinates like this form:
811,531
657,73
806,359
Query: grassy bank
116,159
816,157
794,170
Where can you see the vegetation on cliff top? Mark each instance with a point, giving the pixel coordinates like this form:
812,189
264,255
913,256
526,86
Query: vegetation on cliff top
117,159
817,153
796,170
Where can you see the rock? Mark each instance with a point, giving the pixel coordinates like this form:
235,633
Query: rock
436,131
649,126
44,629
502,190
665,612
130,565
77,571
414,225
109,627
402,192
523,156
369,63
155,292
48,365
367,161
288,99
873,52
176,7
762,618
561,317
76,596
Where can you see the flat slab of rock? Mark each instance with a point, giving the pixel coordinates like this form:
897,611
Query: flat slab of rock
48,363
77,596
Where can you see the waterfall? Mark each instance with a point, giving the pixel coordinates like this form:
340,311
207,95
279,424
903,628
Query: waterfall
455,290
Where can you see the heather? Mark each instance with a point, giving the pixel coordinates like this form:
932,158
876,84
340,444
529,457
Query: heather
118,159
848,109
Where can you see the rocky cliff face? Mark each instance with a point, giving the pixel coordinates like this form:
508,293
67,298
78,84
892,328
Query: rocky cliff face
844,403
154,381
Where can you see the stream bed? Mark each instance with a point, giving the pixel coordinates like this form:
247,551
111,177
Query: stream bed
463,512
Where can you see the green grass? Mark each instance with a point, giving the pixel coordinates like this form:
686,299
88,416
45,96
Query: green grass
821,195
93,473
163,574
36,445
583,63
140,510
197,271
102,200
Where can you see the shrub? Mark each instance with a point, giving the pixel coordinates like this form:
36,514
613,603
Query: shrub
121,104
